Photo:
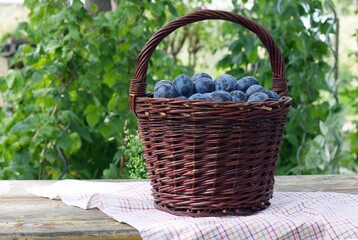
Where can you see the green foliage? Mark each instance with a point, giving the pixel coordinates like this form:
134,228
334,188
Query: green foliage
72,93
77,73
130,155
312,141
349,94
134,156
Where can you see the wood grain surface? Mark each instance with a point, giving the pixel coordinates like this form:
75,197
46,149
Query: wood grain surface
25,216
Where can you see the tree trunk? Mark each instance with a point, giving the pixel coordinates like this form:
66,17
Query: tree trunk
102,5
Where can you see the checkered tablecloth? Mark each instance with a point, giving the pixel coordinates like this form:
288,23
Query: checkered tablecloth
292,215
4,187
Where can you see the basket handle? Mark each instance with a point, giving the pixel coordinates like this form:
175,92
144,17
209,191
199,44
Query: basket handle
139,84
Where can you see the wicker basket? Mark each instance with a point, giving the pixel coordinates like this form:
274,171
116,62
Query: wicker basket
208,158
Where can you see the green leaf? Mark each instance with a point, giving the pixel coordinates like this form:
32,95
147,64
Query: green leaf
292,139
73,96
60,67
3,85
49,102
106,62
108,47
77,5
76,142
92,118
67,56
93,49
92,108
105,130
14,80
65,142
11,78
38,14
122,4
323,111
160,7
25,141
109,79
74,31
354,142
65,100
23,126
48,132
37,76
137,30
125,46
93,7
113,172
27,48
253,56
320,140
113,102
312,160
52,45
123,100
172,9
323,127
116,124
72,27
320,47
31,4
77,127
22,157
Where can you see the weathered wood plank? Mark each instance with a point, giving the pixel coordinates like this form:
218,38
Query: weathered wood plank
314,183
30,217
25,216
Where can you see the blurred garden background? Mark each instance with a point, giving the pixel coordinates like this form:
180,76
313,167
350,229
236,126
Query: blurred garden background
66,66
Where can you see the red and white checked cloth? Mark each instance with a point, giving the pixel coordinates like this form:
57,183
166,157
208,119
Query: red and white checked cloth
293,215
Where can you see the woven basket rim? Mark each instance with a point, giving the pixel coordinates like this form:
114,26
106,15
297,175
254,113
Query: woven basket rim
271,102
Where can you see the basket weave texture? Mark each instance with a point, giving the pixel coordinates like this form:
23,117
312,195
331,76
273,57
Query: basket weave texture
208,158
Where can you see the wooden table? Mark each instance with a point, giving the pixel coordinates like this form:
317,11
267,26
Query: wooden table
25,216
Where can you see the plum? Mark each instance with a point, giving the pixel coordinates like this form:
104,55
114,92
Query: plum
207,95
161,82
200,75
257,96
198,96
272,94
204,85
225,82
184,86
244,83
220,95
238,95
253,89
165,91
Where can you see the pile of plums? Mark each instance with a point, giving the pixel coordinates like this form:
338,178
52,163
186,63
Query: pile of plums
223,88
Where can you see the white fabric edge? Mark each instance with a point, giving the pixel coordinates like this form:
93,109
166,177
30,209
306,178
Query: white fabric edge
4,187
